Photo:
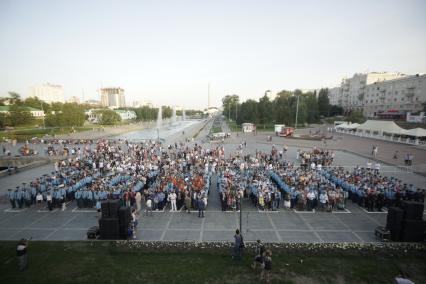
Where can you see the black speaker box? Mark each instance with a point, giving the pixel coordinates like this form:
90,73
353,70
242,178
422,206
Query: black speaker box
114,205
413,210
105,209
394,218
396,234
109,228
414,230
124,215
124,232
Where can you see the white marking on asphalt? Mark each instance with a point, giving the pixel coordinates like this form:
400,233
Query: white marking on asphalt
202,229
166,228
10,210
275,228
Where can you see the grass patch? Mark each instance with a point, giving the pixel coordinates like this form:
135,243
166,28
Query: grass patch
26,134
104,262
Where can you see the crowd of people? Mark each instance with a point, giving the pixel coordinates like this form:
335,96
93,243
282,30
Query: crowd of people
176,176
179,176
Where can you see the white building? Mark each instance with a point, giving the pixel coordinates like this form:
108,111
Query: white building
126,114
377,93
353,89
74,99
112,97
37,113
400,95
334,94
48,92
142,104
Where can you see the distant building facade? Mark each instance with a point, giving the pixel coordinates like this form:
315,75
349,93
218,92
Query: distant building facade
126,114
74,99
48,93
112,97
37,113
377,93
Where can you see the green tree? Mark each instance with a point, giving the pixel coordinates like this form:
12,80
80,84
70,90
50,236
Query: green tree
108,117
15,98
312,115
336,110
68,114
248,112
19,115
265,115
323,102
4,120
35,102
355,117
230,106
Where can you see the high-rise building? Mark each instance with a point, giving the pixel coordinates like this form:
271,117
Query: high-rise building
112,97
377,93
48,92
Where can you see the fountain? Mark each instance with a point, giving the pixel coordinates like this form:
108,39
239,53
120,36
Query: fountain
159,117
183,115
174,115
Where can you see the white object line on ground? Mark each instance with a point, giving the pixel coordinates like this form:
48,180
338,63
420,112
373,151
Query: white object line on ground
311,228
63,225
275,228
167,227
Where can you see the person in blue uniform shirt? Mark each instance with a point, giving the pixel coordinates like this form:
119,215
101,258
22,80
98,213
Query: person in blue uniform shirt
78,197
19,197
27,198
11,195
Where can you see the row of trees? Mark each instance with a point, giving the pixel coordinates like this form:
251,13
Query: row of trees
282,109
69,114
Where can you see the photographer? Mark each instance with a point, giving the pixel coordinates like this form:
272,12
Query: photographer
22,254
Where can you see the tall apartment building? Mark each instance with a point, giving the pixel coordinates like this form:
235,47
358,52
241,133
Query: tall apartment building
353,89
112,97
404,95
374,93
48,92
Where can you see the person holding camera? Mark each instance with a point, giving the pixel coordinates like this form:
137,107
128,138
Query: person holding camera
22,254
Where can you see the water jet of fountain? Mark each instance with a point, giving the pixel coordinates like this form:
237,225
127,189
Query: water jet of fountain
174,115
159,117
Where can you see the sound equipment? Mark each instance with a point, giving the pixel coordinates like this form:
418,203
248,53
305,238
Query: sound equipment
414,230
93,232
394,219
382,233
124,215
105,209
413,210
395,234
109,228
114,205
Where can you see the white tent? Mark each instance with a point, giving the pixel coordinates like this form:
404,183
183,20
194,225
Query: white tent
417,132
381,126
348,126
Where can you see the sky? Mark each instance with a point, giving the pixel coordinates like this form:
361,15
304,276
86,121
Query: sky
167,52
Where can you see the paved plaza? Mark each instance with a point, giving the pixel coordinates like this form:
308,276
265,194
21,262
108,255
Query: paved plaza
354,224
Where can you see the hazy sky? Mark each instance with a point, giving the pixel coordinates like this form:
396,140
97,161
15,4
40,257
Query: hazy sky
166,52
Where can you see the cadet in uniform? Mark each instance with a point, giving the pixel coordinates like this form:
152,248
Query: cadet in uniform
11,196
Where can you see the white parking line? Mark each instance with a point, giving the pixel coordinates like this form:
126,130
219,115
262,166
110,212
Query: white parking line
346,211
373,212
304,212
10,210
77,210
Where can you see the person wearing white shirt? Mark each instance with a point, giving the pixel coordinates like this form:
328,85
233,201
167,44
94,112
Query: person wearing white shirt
313,166
172,198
